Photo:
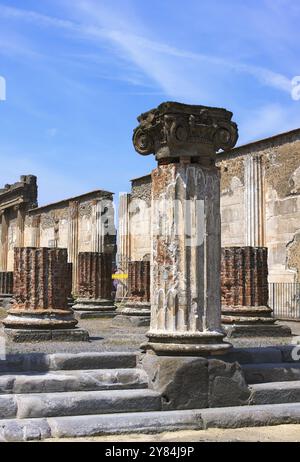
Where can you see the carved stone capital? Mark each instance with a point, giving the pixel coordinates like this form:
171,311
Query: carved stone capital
175,130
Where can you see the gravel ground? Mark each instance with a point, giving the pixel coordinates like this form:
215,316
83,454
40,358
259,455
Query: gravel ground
279,433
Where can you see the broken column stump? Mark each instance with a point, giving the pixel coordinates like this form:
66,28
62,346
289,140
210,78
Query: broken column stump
136,310
244,294
94,286
40,311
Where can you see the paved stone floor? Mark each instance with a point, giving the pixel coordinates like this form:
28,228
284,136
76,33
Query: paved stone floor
279,433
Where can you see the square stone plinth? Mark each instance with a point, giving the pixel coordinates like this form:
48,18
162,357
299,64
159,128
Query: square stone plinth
44,335
256,330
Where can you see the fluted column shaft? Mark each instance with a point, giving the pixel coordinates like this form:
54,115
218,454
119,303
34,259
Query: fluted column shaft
40,289
139,280
254,201
73,241
186,225
123,255
6,282
244,276
4,240
94,275
35,231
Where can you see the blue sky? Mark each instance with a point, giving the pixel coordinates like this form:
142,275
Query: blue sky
79,72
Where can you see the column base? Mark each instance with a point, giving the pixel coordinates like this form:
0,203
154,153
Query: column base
251,321
46,335
40,319
85,308
186,344
256,330
133,314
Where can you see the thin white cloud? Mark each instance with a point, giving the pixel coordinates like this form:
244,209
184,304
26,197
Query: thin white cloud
147,54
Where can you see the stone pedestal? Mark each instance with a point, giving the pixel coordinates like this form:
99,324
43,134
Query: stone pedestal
185,254
40,297
136,310
94,286
6,288
244,294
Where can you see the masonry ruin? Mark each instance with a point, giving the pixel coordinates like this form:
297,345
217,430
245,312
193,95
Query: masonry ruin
198,242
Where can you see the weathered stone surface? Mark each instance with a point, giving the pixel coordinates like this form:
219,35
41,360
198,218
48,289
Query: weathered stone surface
64,381
281,372
244,277
185,221
194,383
26,430
85,403
175,130
66,361
182,382
8,407
94,285
40,311
40,290
275,393
227,385
256,329
45,335
244,291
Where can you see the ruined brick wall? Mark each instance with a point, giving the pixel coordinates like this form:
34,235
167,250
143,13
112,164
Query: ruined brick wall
139,280
94,275
6,282
40,278
281,179
244,276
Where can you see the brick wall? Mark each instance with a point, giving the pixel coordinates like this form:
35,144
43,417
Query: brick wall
244,276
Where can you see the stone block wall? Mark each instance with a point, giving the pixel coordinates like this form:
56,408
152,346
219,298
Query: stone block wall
244,276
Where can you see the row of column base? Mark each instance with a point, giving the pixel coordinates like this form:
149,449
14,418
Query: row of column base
60,325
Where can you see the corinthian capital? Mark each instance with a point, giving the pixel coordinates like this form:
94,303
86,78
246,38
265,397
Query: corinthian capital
175,130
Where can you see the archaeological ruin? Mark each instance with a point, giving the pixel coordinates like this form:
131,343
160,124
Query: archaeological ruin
168,319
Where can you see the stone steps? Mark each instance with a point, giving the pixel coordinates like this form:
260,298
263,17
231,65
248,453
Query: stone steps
24,406
148,422
39,362
275,393
271,372
64,381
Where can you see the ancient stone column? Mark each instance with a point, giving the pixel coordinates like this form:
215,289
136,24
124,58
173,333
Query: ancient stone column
73,241
136,309
254,201
40,311
244,293
94,286
4,240
98,227
123,254
185,255
6,288
20,226
35,231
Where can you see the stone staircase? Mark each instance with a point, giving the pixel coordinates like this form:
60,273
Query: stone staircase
70,395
